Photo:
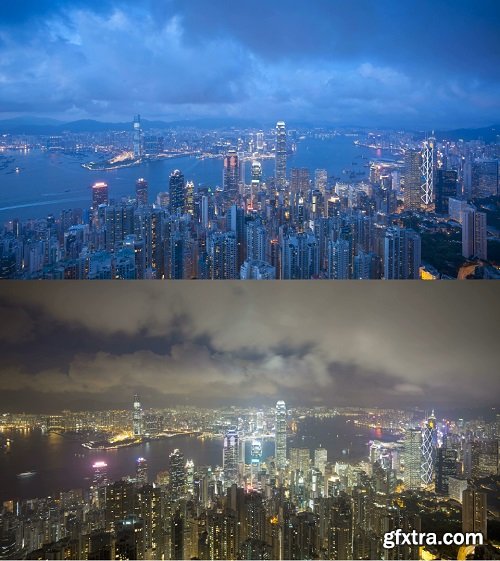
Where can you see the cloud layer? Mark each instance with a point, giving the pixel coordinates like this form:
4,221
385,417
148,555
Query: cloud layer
391,63
220,343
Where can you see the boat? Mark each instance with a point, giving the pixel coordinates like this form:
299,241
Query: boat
26,474
18,170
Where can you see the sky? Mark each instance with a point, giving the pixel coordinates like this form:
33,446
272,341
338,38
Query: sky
93,345
418,65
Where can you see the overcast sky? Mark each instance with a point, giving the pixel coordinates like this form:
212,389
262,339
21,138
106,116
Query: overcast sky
421,64
94,344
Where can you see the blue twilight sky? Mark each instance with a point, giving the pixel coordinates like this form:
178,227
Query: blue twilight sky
425,64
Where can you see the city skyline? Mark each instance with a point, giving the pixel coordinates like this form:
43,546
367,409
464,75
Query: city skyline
338,63
231,344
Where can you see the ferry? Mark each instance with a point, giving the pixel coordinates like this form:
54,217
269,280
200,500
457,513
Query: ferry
26,474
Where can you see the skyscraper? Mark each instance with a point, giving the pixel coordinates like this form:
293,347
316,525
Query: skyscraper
299,180
474,234
281,155
100,194
141,192
427,185
280,436
177,192
429,441
321,180
446,187
412,179
485,178
222,254
412,456
231,449
137,416
190,197
474,512
177,474
231,176
141,471
446,467
137,140
402,254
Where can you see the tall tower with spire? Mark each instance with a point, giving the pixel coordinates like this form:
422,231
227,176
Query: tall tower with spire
137,417
429,442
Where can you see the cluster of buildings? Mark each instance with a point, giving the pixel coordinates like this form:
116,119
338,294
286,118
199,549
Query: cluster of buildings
294,504
296,224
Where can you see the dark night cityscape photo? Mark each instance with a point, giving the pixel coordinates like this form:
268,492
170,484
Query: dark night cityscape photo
170,140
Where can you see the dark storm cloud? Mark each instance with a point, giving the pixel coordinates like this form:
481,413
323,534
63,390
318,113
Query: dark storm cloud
421,64
220,343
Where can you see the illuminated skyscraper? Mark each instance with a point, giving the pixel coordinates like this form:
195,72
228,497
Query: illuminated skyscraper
230,457
402,254
429,442
280,437
281,155
231,176
141,471
177,192
412,456
100,194
339,254
446,467
141,192
137,141
427,184
222,253
321,180
177,474
137,416
255,459
100,474
485,178
299,180
190,197
321,459
412,179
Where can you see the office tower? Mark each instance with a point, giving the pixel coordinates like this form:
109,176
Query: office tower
100,194
141,192
280,435
141,471
177,536
485,179
456,487
446,467
252,269
427,186
321,180
456,207
446,187
130,538
300,459
190,477
256,241
177,474
222,255
231,175
299,180
204,211
260,141
177,192
412,179
474,234
339,255
190,198
256,172
402,254
321,459
118,223
474,512
412,457
280,156
137,137
230,459
366,266
255,460
137,417
484,458
100,474
429,442
236,223
299,256
136,245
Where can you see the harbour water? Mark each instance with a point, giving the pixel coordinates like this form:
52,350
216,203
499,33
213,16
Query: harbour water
61,463
36,183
